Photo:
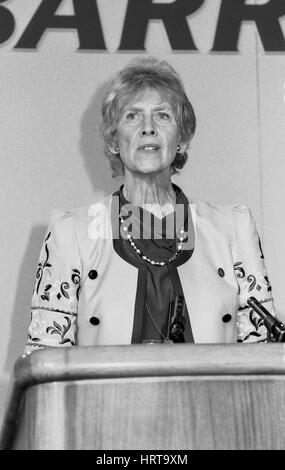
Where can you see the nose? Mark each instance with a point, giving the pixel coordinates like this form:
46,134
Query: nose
148,128
146,132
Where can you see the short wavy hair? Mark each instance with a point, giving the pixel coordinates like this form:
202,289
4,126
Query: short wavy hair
138,75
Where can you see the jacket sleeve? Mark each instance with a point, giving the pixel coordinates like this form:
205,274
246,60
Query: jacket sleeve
252,278
57,285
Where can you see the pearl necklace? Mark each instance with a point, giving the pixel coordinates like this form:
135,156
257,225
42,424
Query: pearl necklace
144,257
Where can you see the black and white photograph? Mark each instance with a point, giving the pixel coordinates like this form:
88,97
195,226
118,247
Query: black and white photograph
143,227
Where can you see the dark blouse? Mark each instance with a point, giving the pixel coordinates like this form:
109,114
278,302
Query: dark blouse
157,286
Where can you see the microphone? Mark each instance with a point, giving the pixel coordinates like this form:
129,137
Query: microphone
177,321
273,325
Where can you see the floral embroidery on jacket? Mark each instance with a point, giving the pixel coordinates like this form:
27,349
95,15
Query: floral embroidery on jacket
43,266
251,278
45,325
65,289
76,277
55,299
250,325
239,269
255,320
60,330
257,323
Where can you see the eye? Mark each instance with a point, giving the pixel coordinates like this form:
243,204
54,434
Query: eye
131,116
163,116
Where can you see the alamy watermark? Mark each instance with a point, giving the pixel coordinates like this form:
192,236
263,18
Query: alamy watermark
106,224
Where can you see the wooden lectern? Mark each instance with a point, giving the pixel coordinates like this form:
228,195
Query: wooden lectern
144,397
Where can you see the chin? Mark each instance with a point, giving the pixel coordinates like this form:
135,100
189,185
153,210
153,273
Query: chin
150,166
150,169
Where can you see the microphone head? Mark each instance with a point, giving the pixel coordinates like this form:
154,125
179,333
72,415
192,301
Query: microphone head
177,333
177,324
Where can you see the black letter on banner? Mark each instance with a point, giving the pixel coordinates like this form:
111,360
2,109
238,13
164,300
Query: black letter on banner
7,23
266,17
86,20
173,15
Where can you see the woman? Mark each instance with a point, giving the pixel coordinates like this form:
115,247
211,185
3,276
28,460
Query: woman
147,263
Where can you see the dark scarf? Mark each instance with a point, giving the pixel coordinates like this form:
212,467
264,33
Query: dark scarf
157,286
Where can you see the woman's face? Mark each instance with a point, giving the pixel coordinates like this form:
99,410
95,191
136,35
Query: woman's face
147,133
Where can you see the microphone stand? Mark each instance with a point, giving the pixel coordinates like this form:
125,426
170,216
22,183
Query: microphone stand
273,325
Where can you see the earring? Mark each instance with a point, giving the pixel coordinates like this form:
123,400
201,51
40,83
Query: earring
117,151
178,148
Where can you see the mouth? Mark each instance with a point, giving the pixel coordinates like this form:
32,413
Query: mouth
149,148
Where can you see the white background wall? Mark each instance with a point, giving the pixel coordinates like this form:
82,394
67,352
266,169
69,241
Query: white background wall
51,150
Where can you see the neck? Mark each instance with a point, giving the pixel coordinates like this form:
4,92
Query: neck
154,192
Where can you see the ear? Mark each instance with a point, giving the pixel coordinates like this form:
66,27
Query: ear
114,148
183,147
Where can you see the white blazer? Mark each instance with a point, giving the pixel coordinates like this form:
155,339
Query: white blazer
85,292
